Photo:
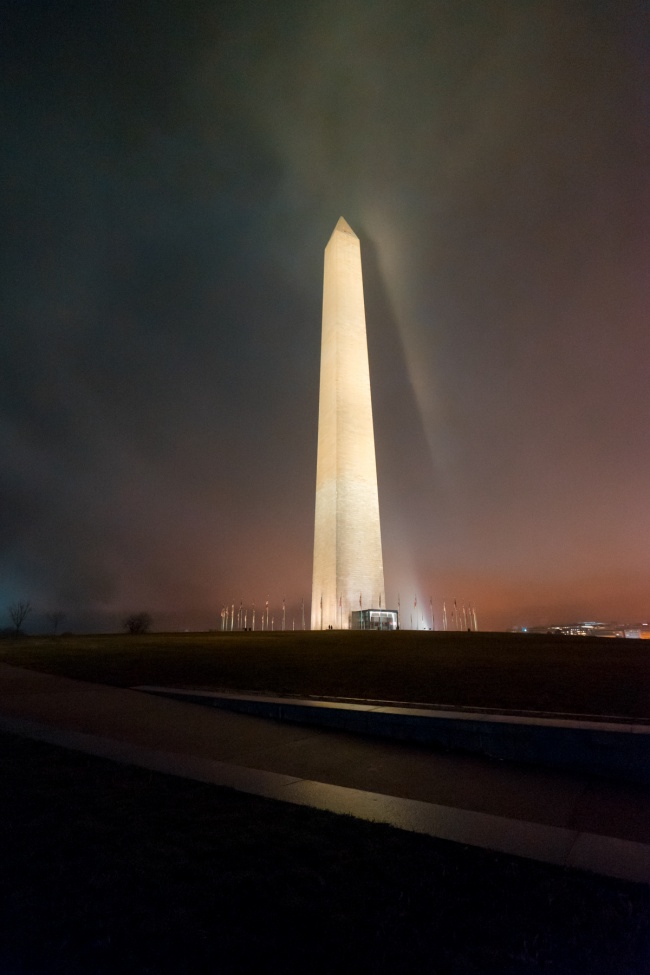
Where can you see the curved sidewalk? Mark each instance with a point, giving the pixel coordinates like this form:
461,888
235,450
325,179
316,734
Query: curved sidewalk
591,745
557,817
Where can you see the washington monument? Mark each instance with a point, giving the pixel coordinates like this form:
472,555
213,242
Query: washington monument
348,566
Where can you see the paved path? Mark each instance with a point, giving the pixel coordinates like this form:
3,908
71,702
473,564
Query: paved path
552,816
590,746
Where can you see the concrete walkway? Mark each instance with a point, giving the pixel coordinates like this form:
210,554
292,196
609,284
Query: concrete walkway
596,746
558,817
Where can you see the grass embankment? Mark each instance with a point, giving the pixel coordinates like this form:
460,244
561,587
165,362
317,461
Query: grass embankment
108,868
495,670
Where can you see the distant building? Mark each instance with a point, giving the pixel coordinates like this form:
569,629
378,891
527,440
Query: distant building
374,619
631,631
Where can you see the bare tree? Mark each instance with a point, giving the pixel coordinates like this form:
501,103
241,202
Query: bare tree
55,618
18,613
138,623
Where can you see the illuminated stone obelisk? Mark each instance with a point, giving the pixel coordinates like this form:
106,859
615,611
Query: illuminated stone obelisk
348,566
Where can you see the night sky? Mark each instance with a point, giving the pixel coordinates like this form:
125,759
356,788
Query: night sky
171,173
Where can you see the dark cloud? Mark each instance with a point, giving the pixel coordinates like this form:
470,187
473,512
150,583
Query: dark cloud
171,173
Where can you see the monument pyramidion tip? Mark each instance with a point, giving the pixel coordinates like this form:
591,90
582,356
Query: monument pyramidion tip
344,227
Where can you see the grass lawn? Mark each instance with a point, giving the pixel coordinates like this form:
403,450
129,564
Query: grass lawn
585,675
108,868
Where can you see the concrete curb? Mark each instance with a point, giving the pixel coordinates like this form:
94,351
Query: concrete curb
606,855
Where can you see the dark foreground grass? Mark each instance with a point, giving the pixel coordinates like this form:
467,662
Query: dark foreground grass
107,868
494,670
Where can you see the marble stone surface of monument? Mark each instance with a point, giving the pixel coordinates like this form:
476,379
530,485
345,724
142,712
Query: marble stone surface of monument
348,569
